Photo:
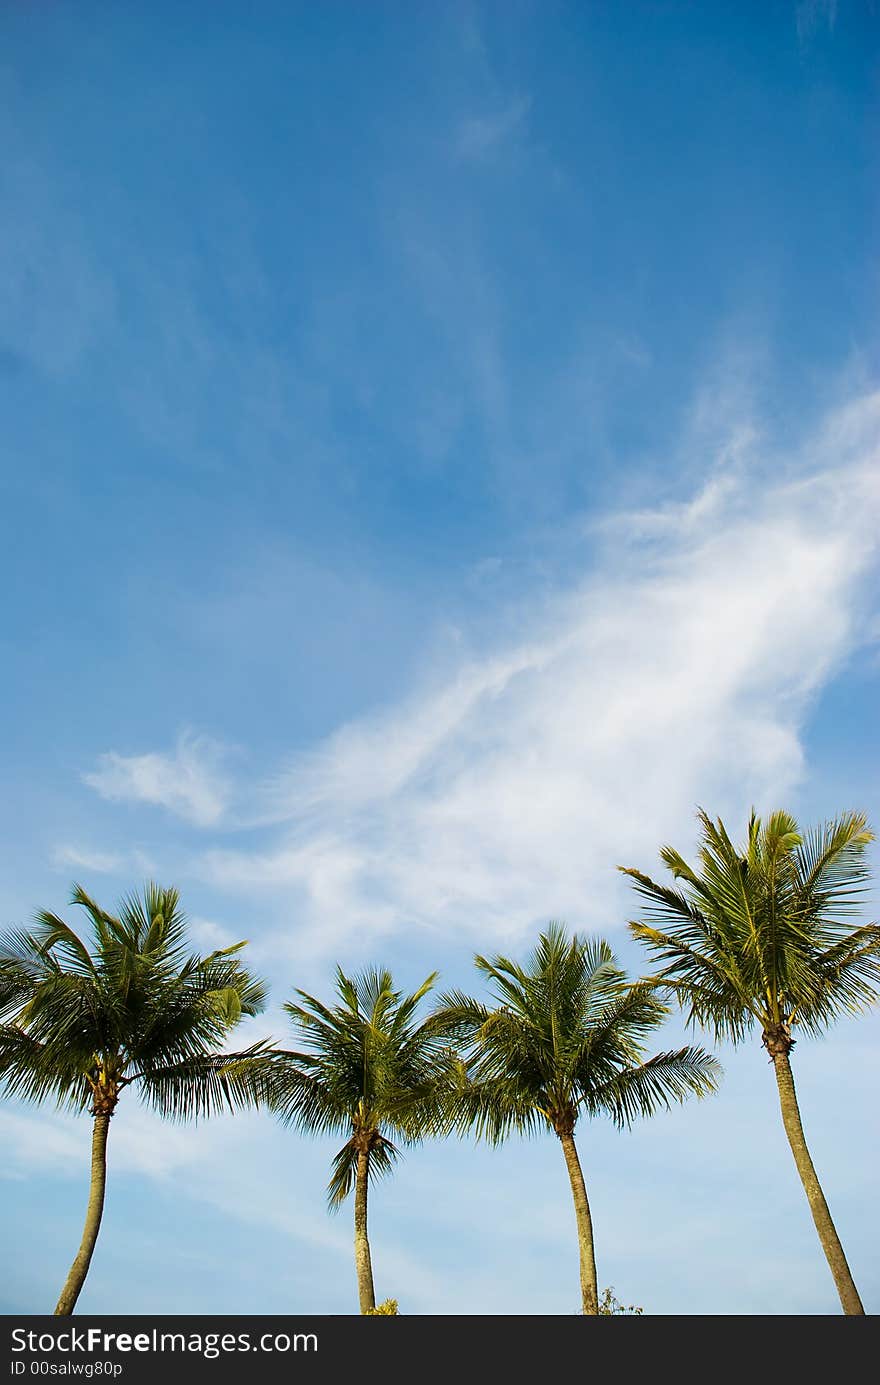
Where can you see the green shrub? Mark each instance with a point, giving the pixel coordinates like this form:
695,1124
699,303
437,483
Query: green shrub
387,1309
609,1305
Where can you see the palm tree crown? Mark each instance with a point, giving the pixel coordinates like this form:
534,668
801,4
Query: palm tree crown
566,1036
763,936
371,1071
138,1008
80,1022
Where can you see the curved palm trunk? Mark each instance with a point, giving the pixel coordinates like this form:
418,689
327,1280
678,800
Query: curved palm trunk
589,1287
791,1119
362,1261
80,1267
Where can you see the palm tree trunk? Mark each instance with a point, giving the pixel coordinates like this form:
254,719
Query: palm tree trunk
80,1267
363,1263
589,1287
791,1119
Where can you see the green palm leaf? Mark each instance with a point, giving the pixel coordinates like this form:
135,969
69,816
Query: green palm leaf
761,936
85,1018
368,1068
564,1036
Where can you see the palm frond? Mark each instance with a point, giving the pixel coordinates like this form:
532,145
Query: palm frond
566,1035
381,1158
367,1064
343,1175
655,1084
135,1007
762,935
201,1086
52,934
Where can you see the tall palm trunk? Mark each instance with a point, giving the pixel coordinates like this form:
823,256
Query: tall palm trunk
80,1267
589,1287
363,1263
791,1119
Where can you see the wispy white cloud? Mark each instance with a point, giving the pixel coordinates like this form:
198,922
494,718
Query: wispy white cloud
68,856
142,1143
811,15
188,781
55,294
479,136
209,935
679,672
101,862
36,1143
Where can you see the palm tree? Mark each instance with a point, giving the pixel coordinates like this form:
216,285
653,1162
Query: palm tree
370,1071
760,936
138,1009
565,1039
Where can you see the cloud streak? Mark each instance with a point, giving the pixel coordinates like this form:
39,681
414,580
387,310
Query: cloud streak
101,862
480,136
679,672
812,15
188,782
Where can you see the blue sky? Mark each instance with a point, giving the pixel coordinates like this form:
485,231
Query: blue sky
439,451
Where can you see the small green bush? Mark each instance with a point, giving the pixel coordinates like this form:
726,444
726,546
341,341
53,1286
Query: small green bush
386,1309
611,1306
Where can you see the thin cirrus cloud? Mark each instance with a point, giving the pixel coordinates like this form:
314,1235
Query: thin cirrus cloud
84,858
679,672
189,781
812,16
144,1144
480,136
